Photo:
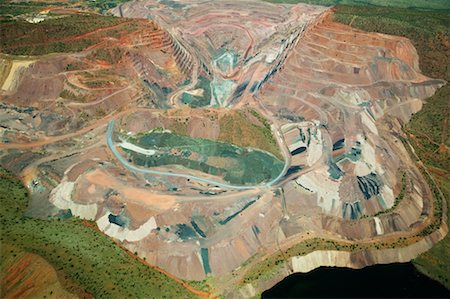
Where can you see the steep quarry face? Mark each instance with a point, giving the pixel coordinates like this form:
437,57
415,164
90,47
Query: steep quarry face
230,47
63,93
344,85
300,141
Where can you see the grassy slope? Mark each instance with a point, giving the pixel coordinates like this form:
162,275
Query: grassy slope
12,8
79,251
430,34
252,167
434,4
33,269
58,34
428,30
435,262
236,128
245,128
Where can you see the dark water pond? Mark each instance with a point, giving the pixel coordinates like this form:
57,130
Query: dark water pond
391,281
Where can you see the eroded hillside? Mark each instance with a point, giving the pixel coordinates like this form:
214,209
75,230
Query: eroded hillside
275,147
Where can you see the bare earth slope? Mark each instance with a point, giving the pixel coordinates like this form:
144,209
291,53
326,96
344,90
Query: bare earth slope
324,103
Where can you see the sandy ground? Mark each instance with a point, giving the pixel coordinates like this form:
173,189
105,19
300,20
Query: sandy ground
143,196
12,79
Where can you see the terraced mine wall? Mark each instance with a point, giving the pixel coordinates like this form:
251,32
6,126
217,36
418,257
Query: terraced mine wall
182,57
290,44
353,260
358,260
194,228
163,40
376,251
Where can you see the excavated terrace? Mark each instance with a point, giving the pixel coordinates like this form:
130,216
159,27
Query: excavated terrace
323,99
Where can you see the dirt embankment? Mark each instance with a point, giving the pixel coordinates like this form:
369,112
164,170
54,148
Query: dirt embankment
27,275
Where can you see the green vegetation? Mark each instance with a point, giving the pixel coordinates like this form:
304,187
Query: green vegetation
239,129
397,200
202,285
269,267
43,285
437,211
15,8
428,30
110,55
434,262
428,129
438,200
11,8
196,101
71,67
236,165
244,128
430,33
96,83
56,34
424,4
68,95
103,5
77,250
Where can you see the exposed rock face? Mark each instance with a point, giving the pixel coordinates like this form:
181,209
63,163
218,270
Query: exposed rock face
243,53
63,92
335,99
357,260
28,275
354,260
347,82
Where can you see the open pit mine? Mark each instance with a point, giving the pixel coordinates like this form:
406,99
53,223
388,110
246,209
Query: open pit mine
239,141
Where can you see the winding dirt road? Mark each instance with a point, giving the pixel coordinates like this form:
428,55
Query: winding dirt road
48,140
